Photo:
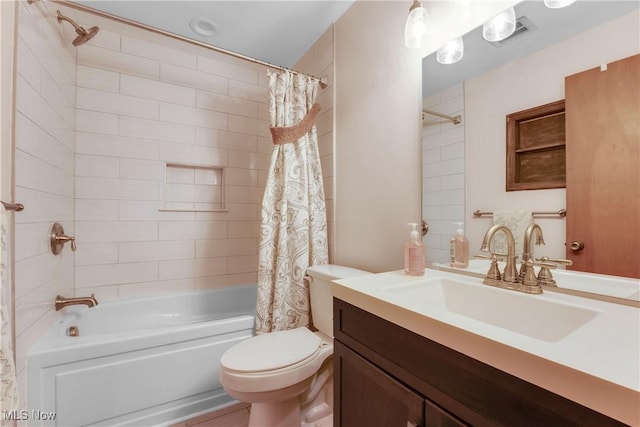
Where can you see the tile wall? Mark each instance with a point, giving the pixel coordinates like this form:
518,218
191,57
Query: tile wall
442,171
44,171
140,106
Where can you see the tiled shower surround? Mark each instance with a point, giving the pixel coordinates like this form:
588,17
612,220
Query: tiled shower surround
121,140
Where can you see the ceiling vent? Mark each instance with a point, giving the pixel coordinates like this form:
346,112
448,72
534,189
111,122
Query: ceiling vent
523,25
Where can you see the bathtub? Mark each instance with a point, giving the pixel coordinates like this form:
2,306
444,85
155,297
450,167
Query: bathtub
138,362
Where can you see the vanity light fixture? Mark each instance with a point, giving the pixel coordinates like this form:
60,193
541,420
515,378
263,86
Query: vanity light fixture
500,26
416,26
557,4
451,52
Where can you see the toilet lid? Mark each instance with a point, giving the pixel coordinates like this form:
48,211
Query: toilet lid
271,351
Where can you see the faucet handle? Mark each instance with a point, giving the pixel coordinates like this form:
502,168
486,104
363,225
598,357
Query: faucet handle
556,260
544,275
490,256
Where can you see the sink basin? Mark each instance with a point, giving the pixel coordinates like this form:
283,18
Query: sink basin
535,316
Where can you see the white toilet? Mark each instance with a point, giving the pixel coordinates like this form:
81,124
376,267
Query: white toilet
287,376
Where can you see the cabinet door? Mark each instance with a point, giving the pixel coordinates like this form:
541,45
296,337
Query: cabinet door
367,396
435,416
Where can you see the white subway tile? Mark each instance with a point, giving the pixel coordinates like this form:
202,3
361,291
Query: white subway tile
108,59
42,207
450,197
156,251
118,146
115,274
224,139
453,182
157,90
248,125
158,52
96,253
96,210
141,169
239,159
432,184
110,231
95,78
225,69
156,130
32,239
35,174
237,176
102,293
132,210
96,122
28,66
248,91
180,174
244,229
191,116
192,268
234,211
59,97
236,194
191,193
227,104
193,155
107,40
192,230
196,79
431,156
226,247
226,280
208,176
96,166
453,151
242,264
119,189
115,103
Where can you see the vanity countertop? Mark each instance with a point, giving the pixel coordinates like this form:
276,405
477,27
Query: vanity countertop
596,364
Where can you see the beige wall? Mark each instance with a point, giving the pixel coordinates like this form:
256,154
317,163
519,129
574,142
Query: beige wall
377,126
489,98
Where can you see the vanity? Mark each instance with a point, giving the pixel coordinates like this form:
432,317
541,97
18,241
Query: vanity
446,350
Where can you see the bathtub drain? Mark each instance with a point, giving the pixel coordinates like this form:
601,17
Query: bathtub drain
72,331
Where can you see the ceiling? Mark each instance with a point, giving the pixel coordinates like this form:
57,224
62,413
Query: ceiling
551,26
277,32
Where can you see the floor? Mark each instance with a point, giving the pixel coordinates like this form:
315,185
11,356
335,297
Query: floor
232,416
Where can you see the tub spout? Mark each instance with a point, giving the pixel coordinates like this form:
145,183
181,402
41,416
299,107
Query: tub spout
62,302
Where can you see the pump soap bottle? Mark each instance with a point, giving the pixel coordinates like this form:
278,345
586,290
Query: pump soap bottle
459,249
414,253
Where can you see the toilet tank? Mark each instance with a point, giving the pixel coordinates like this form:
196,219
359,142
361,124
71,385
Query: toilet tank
320,293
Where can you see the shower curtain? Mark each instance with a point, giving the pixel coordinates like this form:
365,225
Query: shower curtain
8,384
293,230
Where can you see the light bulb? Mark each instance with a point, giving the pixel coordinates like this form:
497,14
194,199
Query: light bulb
451,52
416,26
500,26
557,4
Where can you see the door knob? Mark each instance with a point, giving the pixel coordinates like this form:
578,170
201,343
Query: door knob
577,245
425,228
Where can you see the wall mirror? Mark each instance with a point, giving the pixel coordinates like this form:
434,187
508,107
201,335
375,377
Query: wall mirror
457,180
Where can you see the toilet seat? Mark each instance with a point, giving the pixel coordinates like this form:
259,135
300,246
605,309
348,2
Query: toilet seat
290,357
276,350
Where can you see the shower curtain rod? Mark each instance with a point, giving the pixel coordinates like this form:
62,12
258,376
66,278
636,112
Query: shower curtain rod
102,14
456,120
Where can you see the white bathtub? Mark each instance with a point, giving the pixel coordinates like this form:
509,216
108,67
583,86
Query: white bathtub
150,361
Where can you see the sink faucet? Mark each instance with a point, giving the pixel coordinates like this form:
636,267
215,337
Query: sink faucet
510,272
62,302
527,250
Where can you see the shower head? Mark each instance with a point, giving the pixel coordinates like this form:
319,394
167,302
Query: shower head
83,35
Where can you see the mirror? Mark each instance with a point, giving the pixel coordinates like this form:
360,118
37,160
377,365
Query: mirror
550,44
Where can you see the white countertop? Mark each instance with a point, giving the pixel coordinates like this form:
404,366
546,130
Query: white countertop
596,365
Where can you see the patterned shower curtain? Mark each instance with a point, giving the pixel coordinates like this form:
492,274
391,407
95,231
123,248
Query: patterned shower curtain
293,231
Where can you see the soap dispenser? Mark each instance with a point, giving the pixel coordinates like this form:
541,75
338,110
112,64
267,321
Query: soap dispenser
414,253
459,250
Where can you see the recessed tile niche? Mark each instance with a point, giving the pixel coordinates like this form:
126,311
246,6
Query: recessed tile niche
193,188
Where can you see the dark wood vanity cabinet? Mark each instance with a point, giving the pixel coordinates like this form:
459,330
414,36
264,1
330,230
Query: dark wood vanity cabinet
387,376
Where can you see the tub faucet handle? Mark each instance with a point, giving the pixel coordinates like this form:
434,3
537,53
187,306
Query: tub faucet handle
58,239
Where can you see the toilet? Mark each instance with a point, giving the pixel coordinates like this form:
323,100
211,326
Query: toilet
287,376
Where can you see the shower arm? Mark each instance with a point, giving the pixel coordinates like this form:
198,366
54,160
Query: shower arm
80,30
